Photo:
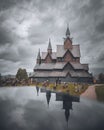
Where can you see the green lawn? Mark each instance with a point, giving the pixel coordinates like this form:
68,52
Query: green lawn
73,89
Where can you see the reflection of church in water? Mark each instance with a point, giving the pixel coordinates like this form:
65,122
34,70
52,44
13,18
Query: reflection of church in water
64,97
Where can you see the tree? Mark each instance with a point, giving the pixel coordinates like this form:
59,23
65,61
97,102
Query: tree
21,74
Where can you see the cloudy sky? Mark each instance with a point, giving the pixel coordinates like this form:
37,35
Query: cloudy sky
26,26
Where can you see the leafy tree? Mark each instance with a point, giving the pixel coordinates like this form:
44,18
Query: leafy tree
21,74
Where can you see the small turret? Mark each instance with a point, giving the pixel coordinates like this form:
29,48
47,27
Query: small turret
67,32
38,58
49,47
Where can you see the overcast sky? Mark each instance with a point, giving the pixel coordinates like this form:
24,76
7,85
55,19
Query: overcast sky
26,26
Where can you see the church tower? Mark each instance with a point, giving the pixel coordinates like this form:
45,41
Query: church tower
49,49
67,40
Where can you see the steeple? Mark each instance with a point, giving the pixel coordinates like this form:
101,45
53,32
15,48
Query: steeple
49,47
67,32
38,58
68,39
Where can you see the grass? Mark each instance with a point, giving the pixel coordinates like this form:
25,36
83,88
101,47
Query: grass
71,88
100,92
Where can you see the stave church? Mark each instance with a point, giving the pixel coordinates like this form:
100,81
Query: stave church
63,65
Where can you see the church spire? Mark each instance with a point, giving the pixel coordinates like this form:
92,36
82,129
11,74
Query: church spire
38,58
49,47
67,32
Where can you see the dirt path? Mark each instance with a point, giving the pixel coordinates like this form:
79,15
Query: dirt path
90,93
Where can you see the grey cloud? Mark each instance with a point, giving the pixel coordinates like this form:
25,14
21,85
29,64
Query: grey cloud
14,53
92,6
6,4
11,56
85,19
101,57
14,56
5,36
100,27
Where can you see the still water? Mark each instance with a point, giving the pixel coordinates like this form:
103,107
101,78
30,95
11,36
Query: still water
33,108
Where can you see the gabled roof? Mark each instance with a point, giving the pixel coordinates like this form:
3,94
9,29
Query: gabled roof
44,54
75,51
85,66
60,74
44,66
77,65
79,74
61,51
58,65
50,74
49,66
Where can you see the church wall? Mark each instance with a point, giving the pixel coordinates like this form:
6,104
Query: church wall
67,44
48,59
66,79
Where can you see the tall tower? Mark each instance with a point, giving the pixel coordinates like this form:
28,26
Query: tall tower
49,49
67,40
38,58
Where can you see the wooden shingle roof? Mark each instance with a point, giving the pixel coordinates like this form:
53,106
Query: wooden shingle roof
75,51
60,65
60,74
44,54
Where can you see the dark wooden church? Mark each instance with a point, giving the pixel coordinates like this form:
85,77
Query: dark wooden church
62,65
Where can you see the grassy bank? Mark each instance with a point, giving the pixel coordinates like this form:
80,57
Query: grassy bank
73,89
100,92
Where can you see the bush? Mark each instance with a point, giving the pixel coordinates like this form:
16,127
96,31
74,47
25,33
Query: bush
100,92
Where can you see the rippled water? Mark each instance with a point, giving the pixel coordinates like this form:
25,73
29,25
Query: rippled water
32,108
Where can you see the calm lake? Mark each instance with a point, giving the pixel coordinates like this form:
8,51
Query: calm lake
33,108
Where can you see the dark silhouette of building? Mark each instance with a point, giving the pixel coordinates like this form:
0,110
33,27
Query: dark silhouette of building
66,98
67,103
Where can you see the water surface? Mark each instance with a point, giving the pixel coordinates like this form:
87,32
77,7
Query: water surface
32,108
